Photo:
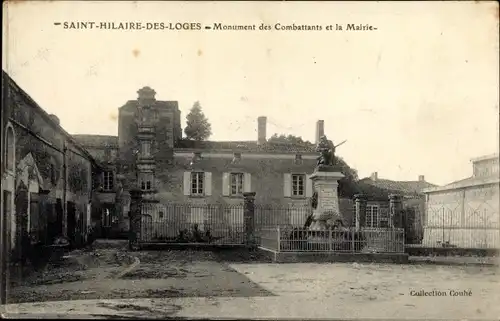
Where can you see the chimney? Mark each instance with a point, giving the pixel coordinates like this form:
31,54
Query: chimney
320,129
421,178
261,130
54,118
374,176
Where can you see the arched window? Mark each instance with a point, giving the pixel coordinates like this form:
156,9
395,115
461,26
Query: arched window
10,149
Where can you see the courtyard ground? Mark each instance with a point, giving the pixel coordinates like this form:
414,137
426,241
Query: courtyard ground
206,284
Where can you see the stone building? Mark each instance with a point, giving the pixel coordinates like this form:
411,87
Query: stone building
378,191
466,213
46,175
149,153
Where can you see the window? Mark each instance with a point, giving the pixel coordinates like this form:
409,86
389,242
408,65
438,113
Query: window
298,159
146,180
145,148
9,149
372,216
197,182
236,184
298,184
53,177
108,180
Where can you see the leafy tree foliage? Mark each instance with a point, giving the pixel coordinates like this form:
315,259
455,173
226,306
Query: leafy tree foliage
347,185
289,139
197,127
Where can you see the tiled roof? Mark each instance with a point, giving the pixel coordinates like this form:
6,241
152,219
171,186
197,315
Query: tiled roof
97,140
245,146
405,187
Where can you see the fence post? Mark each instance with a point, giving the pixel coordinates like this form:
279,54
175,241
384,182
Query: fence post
135,216
395,210
279,239
330,239
360,211
249,217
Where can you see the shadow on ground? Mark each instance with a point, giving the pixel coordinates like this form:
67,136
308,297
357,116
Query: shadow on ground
160,274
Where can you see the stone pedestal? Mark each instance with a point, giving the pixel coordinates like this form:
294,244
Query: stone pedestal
395,210
135,216
325,180
360,211
249,217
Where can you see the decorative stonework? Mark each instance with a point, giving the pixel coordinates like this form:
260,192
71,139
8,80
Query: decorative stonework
146,93
236,158
327,210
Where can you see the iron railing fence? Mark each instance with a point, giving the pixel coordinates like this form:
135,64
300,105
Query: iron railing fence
220,223
366,240
192,223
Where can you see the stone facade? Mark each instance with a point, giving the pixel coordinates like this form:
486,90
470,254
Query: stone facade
46,175
150,154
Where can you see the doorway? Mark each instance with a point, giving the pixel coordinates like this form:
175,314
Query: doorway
21,205
5,243
71,221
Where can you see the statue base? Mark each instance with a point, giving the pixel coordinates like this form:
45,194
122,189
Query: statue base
328,168
325,180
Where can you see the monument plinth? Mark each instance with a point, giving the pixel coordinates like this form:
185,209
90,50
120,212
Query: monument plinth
325,180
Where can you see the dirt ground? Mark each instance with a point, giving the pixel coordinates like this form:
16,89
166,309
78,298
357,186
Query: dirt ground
385,286
93,275
201,284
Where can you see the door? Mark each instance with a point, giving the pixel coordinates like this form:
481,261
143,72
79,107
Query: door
21,203
71,221
5,243
107,220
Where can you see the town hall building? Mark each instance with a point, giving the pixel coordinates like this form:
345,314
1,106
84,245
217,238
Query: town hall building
149,153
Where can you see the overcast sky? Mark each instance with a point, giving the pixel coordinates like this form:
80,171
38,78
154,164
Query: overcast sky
417,96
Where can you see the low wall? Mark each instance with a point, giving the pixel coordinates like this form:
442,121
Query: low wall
462,238
303,257
449,251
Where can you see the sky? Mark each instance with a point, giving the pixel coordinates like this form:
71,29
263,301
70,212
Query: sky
417,96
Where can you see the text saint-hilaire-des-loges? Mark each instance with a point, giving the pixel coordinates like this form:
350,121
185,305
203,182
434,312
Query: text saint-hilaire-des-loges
216,26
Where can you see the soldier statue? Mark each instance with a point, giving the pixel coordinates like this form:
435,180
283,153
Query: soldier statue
327,152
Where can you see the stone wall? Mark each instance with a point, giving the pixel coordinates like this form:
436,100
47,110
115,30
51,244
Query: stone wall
266,174
465,217
40,146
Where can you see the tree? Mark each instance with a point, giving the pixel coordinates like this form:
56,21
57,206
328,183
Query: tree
197,126
290,139
348,184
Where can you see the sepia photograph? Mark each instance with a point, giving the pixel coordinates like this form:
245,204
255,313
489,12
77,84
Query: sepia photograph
250,160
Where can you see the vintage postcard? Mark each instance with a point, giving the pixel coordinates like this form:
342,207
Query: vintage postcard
250,160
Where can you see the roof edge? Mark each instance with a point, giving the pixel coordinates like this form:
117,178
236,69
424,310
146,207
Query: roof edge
484,157
463,184
49,119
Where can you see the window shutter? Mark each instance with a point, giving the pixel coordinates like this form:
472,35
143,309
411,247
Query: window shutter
208,183
287,185
309,186
187,183
225,184
247,181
